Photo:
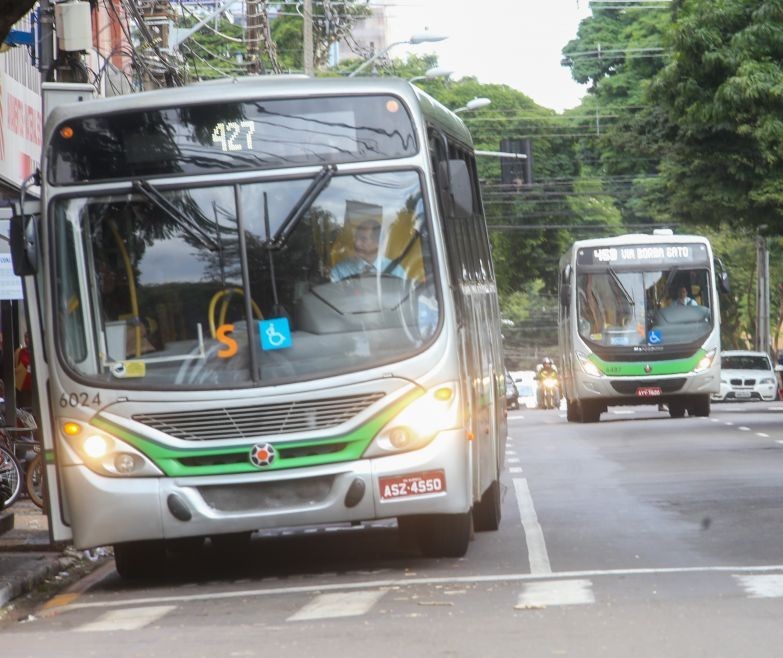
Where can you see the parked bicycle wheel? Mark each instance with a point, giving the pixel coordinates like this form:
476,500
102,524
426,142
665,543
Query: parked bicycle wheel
34,480
10,479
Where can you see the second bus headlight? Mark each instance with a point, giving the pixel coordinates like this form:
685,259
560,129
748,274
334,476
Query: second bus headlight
416,425
107,455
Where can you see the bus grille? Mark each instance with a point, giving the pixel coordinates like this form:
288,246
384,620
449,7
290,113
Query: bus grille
625,387
258,420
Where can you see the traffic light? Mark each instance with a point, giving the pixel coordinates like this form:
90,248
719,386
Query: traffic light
516,171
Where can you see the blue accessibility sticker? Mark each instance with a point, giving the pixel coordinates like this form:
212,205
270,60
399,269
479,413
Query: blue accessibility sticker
654,337
275,334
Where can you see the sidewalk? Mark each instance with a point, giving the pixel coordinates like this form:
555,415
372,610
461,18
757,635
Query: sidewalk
27,558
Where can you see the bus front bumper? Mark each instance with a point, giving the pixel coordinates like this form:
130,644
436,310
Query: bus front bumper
432,480
640,390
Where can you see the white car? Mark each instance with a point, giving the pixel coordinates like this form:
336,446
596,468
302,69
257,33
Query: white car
746,375
526,387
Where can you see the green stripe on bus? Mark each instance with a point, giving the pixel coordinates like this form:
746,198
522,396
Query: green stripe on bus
173,461
638,368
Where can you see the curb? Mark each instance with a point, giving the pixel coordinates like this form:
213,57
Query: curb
25,580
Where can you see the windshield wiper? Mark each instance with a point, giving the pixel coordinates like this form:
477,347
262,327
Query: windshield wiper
307,199
621,285
182,221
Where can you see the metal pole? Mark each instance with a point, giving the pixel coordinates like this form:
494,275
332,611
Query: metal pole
309,68
46,46
762,295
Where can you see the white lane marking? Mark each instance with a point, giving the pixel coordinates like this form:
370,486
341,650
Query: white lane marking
339,604
622,412
410,582
762,587
515,469
780,442
774,408
127,619
714,420
728,422
561,415
534,536
762,435
556,592
513,460
743,428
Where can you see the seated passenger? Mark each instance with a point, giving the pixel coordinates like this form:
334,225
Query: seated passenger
367,258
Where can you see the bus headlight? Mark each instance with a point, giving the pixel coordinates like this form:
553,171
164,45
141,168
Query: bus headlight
705,361
107,455
419,423
588,366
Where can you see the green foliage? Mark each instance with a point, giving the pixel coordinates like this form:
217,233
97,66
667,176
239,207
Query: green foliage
723,96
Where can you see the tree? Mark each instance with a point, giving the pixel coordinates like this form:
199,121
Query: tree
723,100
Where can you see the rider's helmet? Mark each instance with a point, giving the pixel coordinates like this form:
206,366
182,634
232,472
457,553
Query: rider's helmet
547,362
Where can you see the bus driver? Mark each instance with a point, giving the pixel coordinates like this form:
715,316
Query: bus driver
367,259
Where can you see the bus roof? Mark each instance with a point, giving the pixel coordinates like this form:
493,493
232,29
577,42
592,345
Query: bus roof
268,86
638,238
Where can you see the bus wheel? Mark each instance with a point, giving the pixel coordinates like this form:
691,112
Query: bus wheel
573,412
701,405
444,535
591,411
676,409
137,559
486,513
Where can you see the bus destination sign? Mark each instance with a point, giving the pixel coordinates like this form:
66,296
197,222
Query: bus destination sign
644,254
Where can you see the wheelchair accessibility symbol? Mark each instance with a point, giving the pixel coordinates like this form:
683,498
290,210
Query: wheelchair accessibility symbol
275,334
654,337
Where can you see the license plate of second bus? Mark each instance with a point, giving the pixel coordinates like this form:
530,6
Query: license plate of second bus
413,484
648,391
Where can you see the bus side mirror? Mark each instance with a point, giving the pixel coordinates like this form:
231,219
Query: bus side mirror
24,243
461,188
723,282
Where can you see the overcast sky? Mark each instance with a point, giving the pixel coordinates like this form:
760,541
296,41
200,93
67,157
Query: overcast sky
513,42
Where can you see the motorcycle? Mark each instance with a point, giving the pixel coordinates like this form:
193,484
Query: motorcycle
550,392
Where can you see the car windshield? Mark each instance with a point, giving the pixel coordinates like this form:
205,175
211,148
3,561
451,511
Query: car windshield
618,308
745,362
230,285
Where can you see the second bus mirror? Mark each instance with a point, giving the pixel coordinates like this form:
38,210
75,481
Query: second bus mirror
24,244
723,282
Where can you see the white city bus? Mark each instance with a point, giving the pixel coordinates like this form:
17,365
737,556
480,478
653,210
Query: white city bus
202,370
639,322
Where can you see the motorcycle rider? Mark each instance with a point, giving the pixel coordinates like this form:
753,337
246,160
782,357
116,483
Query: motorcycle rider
545,370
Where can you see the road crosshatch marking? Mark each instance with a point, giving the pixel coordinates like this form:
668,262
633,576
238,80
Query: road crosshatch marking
126,619
338,604
556,593
764,586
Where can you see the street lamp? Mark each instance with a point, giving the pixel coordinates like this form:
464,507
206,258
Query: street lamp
473,104
424,37
430,74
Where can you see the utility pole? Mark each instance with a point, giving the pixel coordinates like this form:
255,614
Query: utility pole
253,52
308,37
47,38
762,293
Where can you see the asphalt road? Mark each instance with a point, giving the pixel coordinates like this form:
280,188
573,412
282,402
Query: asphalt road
637,536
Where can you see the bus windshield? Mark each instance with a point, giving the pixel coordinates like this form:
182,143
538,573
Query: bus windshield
667,307
245,284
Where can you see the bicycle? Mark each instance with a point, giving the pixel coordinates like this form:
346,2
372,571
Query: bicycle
10,478
16,451
34,477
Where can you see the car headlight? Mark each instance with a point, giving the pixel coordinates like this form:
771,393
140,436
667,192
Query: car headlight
418,423
706,361
107,455
767,380
723,381
550,383
588,366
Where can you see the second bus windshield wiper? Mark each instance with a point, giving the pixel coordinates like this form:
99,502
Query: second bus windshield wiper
621,285
307,199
